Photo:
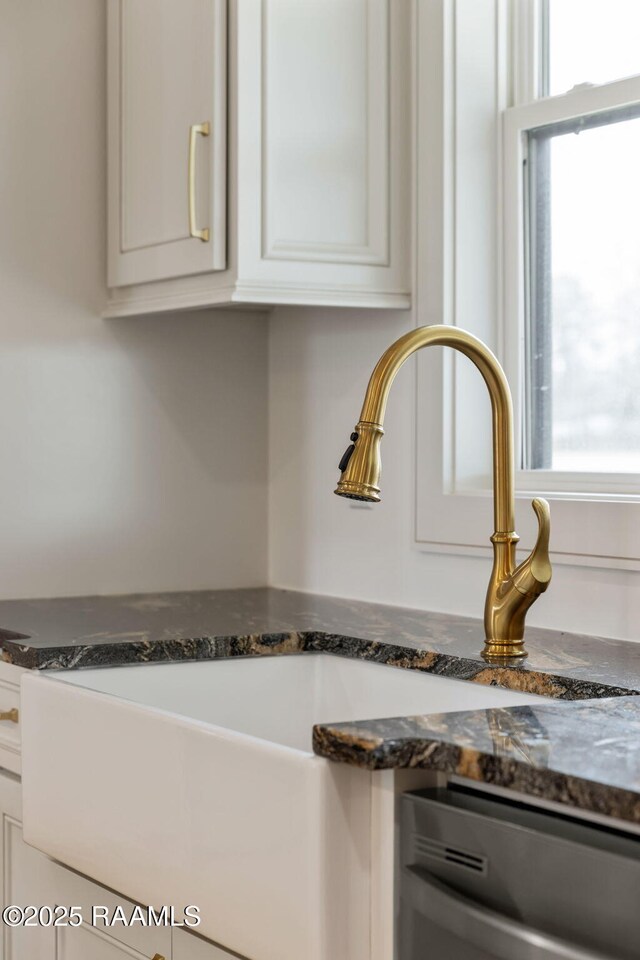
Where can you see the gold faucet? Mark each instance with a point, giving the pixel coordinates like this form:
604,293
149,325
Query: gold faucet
512,589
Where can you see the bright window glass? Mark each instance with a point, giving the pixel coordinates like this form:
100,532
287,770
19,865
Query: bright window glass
583,343
591,41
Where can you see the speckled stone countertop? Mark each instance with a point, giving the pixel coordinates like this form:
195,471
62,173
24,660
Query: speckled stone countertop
204,625
585,754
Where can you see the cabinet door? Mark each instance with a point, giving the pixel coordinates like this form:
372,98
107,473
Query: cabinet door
166,80
87,943
104,940
186,946
25,880
29,878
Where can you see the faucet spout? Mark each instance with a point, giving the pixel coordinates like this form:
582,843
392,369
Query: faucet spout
512,589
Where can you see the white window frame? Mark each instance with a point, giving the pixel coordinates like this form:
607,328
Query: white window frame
469,239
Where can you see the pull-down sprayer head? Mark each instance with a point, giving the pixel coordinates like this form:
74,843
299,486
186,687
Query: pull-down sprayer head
360,465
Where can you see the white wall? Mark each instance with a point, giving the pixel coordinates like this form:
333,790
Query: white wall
320,362
133,452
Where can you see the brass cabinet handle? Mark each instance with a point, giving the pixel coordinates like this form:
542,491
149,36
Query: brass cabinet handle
204,130
157,957
11,715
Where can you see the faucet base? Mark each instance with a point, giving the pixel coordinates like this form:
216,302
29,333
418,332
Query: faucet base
504,651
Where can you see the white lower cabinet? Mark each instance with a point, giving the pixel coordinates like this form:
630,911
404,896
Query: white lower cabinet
186,946
10,717
102,941
28,878
87,943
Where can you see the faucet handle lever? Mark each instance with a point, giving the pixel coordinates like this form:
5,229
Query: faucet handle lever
540,562
534,574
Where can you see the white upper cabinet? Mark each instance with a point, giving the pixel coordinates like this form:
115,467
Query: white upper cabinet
167,138
313,205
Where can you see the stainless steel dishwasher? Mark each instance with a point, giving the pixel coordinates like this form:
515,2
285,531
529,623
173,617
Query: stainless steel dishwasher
484,878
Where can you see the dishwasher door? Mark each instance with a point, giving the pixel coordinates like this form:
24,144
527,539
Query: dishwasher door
489,879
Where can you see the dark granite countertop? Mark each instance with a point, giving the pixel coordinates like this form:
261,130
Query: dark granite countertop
202,625
585,754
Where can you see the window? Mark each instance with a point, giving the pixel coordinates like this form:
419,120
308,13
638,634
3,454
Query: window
527,226
578,144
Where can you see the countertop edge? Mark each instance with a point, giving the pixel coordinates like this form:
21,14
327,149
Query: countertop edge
431,753
519,678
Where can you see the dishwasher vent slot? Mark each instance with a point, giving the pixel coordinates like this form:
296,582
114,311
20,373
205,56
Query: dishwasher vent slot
435,850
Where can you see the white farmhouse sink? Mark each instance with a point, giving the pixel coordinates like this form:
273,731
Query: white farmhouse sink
195,783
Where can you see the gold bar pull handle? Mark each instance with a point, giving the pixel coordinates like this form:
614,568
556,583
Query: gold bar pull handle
11,715
204,130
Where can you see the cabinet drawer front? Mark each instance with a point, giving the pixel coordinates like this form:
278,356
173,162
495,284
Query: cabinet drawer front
9,729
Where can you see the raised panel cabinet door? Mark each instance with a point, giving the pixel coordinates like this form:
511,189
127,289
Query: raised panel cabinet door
186,946
166,139
87,943
104,931
26,879
326,180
